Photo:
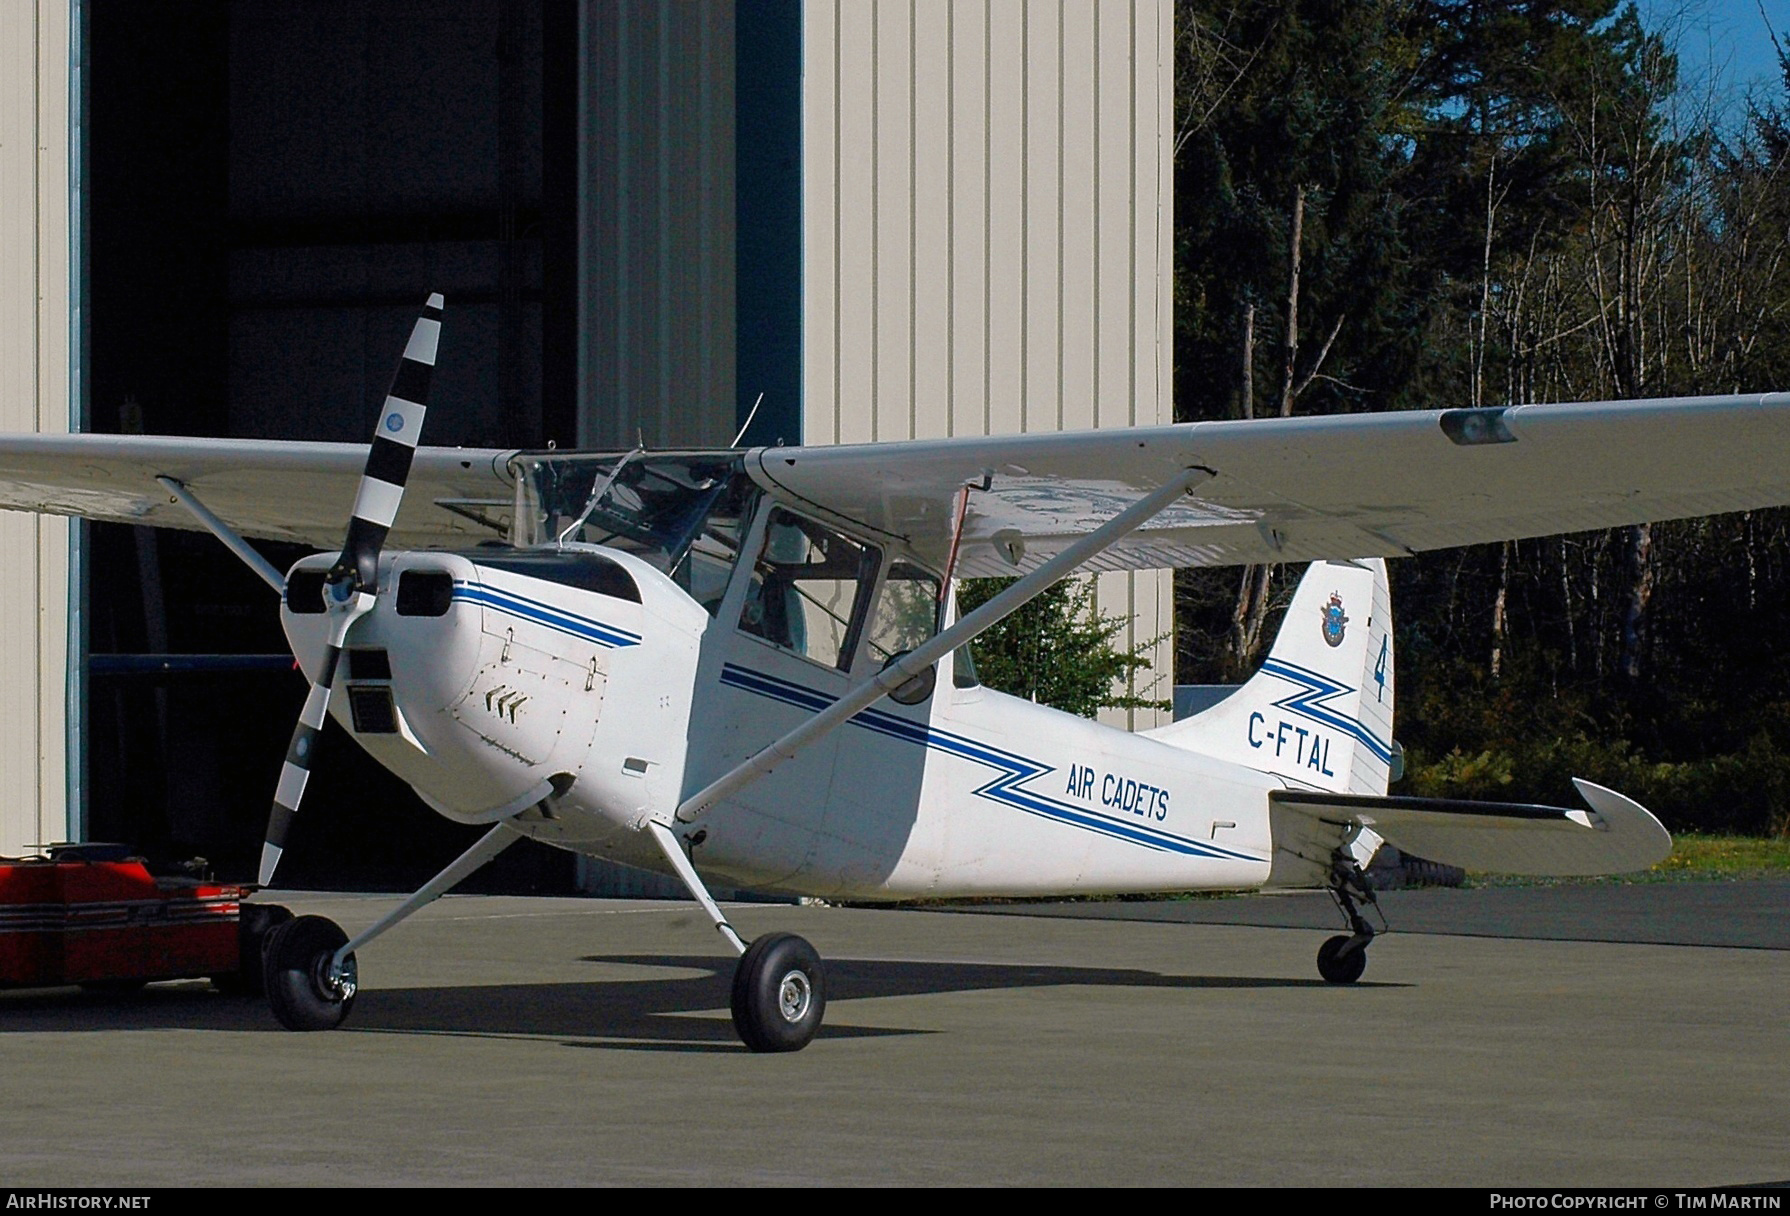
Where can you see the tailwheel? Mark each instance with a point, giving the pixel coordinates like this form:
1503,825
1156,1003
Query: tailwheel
305,987
1342,959
779,993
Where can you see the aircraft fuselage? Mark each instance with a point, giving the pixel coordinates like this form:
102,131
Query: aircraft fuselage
494,679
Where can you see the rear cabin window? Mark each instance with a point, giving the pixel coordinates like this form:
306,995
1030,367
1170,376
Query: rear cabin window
907,612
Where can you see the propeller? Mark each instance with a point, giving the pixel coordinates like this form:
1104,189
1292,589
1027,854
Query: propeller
351,587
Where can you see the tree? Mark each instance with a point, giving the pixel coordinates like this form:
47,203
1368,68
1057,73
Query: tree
1057,649
1423,203
1283,132
1282,233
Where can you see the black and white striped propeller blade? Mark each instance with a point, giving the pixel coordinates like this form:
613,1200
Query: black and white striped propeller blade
351,588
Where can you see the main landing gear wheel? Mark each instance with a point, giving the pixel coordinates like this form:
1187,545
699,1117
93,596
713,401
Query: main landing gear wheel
1340,964
779,993
258,920
304,990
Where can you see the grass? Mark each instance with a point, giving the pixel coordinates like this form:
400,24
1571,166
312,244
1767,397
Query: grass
1700,856
1695,857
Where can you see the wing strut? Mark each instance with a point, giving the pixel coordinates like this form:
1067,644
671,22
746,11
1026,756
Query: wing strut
927,653
224,532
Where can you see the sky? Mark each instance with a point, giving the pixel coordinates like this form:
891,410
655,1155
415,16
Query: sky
1731,35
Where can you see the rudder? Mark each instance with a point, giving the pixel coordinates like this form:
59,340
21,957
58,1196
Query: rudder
1319,711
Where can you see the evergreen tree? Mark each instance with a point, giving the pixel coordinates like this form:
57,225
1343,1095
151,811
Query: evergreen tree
1057,649
1454,202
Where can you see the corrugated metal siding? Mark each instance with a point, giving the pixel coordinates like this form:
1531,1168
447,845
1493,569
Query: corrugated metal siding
34,368
656,324
988,243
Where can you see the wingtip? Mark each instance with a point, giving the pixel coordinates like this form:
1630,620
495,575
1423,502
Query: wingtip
1648,840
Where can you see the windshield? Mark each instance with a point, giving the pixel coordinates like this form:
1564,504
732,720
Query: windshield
683,514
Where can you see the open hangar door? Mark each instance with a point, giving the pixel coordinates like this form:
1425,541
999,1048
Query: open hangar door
274,188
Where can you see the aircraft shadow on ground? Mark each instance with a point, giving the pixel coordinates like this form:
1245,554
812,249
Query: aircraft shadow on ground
615,1013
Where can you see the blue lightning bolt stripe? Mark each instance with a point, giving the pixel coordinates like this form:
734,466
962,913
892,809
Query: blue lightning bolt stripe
1314,689
569,623
1012,771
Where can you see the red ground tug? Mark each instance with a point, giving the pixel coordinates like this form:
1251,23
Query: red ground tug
93,915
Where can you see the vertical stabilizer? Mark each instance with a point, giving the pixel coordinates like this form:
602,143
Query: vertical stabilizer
1319,712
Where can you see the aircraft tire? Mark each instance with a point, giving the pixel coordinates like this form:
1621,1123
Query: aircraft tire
258,920
779,993
294,962
1338,967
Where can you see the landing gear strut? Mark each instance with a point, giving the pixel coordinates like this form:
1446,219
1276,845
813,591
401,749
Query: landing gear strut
779,986
308,964
1343,958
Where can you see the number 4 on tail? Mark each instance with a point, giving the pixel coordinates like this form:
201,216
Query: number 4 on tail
1380,665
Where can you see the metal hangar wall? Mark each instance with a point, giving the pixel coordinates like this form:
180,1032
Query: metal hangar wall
38,304
987,241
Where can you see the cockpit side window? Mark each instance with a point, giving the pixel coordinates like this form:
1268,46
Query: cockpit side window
810,586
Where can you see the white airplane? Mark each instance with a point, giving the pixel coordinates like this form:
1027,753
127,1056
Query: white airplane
748,665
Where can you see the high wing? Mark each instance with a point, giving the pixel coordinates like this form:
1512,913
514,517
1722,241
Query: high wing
1281,489
269,489
1617,835
1293,489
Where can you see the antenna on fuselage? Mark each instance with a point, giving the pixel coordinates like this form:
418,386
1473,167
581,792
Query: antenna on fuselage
753,413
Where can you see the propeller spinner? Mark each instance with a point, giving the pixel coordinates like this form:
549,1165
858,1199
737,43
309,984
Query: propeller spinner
351,588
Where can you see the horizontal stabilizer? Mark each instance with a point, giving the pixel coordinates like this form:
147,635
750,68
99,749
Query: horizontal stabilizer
1617,835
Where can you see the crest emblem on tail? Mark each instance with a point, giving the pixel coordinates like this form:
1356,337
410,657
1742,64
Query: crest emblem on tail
1334,620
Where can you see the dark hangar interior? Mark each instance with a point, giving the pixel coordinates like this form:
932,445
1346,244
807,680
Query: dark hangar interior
270,190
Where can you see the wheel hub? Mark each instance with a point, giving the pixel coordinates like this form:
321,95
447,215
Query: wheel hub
336,981
794,995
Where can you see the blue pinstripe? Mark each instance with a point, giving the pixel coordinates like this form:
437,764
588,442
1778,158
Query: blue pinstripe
1013,772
